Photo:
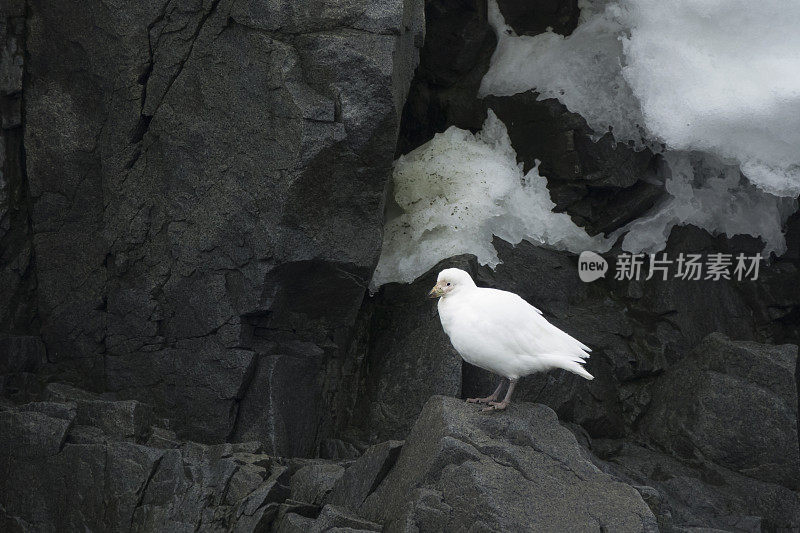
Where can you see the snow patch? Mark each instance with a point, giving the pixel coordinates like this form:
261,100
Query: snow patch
711,195
713,85
723,78
458,191
583,71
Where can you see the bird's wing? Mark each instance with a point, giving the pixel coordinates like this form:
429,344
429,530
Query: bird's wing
524,327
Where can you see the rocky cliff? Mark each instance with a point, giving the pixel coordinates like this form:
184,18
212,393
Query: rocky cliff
192,203
200,178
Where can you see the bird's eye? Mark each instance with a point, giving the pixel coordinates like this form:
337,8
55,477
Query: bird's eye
448,284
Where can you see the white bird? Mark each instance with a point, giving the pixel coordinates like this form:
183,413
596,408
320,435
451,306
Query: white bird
502,333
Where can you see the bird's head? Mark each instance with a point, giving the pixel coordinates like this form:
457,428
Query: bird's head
450,280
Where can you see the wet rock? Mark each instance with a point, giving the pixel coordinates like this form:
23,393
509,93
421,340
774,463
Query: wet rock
734,404
457,464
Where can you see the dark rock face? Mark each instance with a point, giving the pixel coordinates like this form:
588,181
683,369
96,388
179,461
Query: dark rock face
117,420
151,481
22,357
601,185
110,482
534,17
207,184
191,206
148,480
701,495
363,476
734,404
458,463
408,357
456,54
17,276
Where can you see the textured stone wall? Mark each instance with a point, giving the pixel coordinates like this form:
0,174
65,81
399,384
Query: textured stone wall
191,207
17,278
207,186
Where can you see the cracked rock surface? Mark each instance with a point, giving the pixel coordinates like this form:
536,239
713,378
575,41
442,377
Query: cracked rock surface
462,469
206,190
459,469
67,465
192,197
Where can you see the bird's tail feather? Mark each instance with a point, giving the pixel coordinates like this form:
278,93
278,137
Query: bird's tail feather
573,364
575,368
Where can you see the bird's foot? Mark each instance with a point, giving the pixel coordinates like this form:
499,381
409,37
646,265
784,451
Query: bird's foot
488,399
496,406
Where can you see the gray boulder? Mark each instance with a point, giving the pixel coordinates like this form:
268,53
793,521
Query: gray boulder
734,404
462,469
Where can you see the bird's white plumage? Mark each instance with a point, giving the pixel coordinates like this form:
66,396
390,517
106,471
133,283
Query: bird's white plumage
502,333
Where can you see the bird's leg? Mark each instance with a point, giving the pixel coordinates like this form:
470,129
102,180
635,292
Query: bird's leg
493,398
499,406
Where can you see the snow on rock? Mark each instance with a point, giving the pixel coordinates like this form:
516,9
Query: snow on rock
725,202
583,71
458,191
722,77
713,82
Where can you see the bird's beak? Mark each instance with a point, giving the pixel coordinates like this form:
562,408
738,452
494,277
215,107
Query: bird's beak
435,292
